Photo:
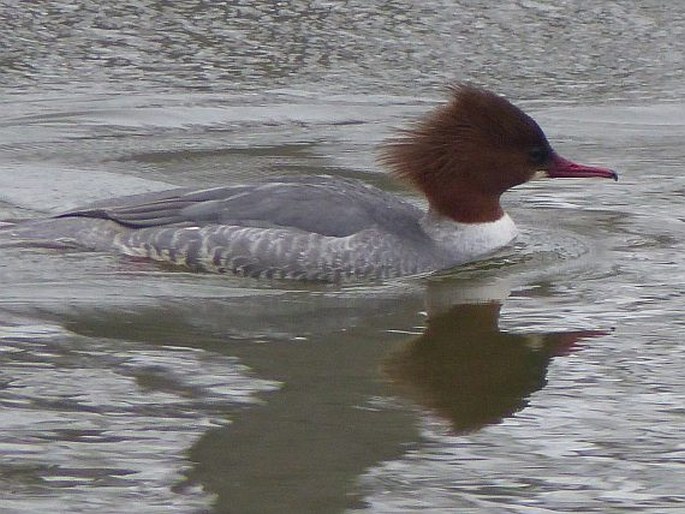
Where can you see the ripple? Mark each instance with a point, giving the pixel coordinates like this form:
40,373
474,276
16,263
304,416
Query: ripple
104,419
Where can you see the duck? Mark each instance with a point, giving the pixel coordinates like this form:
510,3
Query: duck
462,156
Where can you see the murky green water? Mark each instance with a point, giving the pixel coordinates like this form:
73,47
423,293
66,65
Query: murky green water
546,379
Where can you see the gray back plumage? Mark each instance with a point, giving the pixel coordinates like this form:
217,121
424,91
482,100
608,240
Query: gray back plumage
316,228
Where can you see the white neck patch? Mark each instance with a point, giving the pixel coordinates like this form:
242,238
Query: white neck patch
463,242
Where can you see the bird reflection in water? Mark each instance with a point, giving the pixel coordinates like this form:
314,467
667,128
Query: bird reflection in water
469,372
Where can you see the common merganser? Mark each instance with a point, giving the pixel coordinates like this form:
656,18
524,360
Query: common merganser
461,157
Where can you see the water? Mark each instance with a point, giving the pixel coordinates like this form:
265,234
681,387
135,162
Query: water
546,379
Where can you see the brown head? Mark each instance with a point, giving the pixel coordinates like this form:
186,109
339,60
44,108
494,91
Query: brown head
468,152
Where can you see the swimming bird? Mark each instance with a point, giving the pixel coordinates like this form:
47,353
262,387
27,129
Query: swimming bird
461,157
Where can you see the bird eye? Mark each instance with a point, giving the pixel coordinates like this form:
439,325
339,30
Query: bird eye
538,155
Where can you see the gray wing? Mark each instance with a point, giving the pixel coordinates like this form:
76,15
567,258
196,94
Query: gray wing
324,205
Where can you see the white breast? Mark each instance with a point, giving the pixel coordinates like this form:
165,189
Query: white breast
463,242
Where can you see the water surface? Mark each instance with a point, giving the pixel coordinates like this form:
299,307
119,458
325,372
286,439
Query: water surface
545,379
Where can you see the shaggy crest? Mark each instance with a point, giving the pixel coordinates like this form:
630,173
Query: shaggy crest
475,128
